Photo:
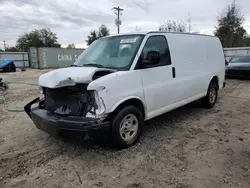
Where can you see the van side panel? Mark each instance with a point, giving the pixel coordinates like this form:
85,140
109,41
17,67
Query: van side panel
197,59
214,47
188,53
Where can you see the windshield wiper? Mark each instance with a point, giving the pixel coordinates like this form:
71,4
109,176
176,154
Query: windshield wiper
73,65
93,65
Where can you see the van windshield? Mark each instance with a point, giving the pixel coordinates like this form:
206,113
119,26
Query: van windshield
115,52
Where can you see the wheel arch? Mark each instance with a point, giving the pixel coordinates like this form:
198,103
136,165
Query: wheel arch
214,79
133,100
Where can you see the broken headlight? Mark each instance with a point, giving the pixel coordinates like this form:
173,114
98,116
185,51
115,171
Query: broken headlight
41,90
98,110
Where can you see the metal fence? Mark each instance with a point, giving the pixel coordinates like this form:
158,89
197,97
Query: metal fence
20,58
53,57
241,51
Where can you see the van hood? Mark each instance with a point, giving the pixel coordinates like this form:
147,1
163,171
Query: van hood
238,66
71,76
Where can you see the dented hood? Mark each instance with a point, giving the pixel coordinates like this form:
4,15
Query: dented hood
69,76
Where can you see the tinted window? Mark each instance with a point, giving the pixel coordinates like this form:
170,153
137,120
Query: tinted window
158,43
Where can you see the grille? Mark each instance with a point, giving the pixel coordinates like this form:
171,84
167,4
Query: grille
67,100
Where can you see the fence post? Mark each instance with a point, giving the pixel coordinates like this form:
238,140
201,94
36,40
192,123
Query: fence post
23,69
38,59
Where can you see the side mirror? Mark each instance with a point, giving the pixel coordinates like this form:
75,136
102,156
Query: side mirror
226,62
152,58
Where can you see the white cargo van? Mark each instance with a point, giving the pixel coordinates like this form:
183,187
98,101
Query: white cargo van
123,80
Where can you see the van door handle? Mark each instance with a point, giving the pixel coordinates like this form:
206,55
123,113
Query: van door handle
173,72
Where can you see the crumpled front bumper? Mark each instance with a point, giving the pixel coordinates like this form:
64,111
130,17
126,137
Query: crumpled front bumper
53,124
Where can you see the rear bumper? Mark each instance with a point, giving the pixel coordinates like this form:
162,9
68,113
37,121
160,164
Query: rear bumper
53,124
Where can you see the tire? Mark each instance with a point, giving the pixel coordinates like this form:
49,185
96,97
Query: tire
127,127
13,67
210,99
9,68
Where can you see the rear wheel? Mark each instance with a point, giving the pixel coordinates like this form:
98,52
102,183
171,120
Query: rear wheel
127,127
210,99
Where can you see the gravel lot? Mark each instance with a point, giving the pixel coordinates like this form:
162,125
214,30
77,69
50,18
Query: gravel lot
190,147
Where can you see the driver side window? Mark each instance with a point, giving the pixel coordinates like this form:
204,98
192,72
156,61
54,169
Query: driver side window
157,43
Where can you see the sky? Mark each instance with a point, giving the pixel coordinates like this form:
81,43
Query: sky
72,20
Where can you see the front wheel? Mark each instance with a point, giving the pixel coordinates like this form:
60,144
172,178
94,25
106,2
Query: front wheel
127,127
210,99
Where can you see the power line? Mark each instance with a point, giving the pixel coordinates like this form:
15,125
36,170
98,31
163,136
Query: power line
118,21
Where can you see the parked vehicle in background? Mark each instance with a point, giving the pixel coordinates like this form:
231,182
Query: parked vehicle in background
238,67
7,66
121,81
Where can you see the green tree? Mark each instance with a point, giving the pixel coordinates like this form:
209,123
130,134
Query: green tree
230,27
12,49
103,31
94,35
37,38
71,46
174,26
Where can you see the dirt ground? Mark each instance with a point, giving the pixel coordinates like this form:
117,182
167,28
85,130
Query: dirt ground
191,147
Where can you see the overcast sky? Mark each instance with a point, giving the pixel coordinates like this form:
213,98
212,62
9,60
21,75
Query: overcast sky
73,19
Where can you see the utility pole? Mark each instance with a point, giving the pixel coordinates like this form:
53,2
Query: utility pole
189,23
4,44
118,21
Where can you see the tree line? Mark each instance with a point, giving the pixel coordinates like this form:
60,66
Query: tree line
229,30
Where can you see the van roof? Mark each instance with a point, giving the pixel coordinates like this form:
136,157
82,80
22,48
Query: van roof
149,32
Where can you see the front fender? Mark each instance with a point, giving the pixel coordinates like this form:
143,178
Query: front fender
118,87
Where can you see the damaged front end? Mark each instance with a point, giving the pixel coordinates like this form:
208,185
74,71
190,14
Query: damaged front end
71,108
69,101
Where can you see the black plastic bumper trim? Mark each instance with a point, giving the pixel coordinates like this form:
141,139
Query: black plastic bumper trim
52,123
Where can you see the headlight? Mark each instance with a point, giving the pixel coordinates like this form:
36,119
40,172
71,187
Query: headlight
99,110
41,89
100,103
